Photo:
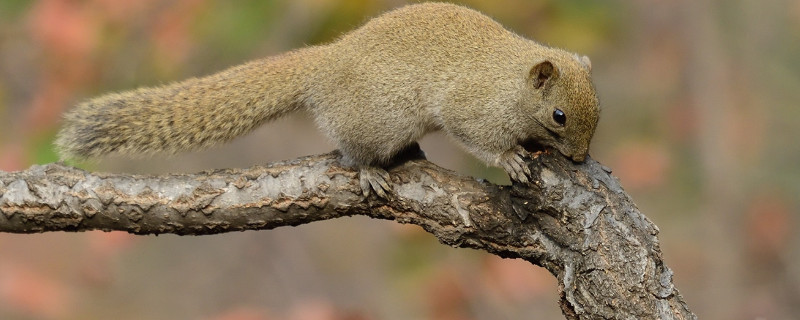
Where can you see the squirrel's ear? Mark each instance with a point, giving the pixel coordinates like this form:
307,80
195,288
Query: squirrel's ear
586,63
542,73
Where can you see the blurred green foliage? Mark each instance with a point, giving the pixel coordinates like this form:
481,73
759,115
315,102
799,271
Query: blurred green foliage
236,28
13,9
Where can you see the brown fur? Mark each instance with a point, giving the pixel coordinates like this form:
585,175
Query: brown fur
374,91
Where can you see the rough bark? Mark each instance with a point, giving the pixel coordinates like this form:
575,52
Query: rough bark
573,219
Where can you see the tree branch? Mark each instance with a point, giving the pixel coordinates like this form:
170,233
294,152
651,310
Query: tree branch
573,219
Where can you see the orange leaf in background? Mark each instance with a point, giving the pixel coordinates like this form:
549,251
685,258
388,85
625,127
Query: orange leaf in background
407,230
12,157
243,313
68,35
659,65
103,249
64,27
447,298
171,33
124,10
681,122
319,310
794,12
516,279
32,293
48,103
109,243
641,165
769,225
744,130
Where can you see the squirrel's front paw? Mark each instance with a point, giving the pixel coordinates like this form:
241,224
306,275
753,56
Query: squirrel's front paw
512,161
374,178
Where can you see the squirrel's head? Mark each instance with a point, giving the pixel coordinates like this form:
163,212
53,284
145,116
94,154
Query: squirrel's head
565,105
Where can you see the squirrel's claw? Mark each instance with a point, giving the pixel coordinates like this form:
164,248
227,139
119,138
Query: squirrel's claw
513,163
374,178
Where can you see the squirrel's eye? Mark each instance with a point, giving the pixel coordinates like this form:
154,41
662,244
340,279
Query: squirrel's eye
559,117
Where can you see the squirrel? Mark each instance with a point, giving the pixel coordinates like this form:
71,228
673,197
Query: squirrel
374,92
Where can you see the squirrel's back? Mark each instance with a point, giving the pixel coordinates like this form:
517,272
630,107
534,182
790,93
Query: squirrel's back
414,69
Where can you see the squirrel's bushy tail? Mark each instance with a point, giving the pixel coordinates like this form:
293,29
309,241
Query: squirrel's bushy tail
188,115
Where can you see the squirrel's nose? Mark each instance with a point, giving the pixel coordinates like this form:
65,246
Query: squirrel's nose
581,154
579,157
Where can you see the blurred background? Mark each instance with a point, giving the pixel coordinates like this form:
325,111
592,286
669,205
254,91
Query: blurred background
700,121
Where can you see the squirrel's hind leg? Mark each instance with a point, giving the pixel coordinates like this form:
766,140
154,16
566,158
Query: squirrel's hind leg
374,177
